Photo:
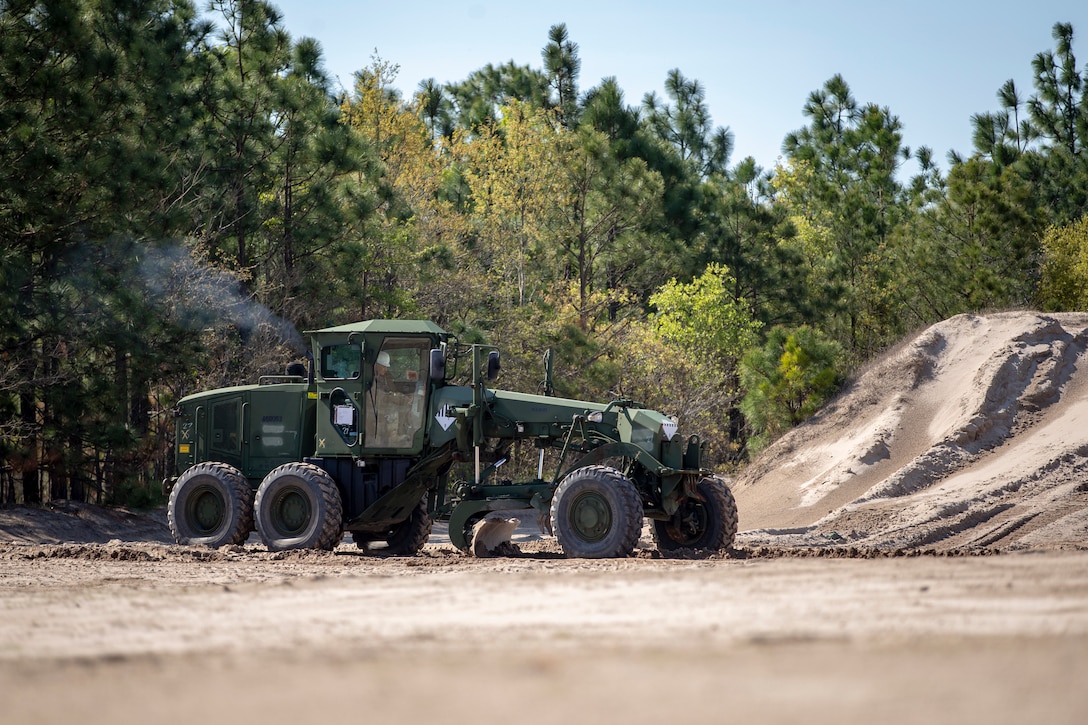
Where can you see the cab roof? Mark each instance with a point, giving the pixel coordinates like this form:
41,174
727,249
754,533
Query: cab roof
425,327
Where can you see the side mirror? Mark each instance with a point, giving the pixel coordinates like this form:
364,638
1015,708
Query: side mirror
493,366
438,365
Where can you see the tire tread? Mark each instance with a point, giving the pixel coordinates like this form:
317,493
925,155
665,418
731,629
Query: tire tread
239,499
627,516
332,523
721,532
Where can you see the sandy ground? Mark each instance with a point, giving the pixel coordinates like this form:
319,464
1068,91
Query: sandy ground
918,552
140,630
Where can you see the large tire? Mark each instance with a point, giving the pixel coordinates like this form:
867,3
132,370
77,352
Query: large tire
404,539
597,514
298,507
211,505
707,525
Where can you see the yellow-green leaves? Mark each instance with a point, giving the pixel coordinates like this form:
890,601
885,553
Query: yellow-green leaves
703,318
514,170
1064,283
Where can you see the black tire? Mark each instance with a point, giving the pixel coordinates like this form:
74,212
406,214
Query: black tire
707,525
211,505
404,539
409,536
298,506
597,514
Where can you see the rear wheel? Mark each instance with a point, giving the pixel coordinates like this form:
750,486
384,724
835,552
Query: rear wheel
298,507
597,513
211,505
709,525
409,536
404,539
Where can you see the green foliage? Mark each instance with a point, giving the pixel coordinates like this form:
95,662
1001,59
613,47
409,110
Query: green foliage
700,330
88,170
974,248
758,242
1043,137
176,200
562,65
702,318
604,235
1064,284
786,381
698,391
844,192
685,125
477,101
137,495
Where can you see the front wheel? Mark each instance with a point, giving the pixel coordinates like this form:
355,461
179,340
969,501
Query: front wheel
298,506
597,514
707,525
211,505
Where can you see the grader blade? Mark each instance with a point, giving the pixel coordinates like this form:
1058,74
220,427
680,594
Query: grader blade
491,536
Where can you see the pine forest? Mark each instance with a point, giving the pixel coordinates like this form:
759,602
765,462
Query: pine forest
183,190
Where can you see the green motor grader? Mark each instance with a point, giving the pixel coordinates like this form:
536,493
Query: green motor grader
366,436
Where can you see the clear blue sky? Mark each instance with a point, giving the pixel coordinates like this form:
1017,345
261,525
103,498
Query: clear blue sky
933,63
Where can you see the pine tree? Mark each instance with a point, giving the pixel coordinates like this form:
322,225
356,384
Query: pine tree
562,64
842,187
88,174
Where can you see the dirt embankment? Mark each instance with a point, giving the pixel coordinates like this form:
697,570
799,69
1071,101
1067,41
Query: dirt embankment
973,435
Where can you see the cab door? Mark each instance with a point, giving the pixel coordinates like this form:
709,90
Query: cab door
340,400
396,396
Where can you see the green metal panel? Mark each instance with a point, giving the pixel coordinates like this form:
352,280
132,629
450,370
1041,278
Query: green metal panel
541,408
224,432
383,327
642,428
339,418
275,427
444,418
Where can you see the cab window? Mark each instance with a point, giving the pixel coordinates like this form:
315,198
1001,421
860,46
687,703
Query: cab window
341,362
396,408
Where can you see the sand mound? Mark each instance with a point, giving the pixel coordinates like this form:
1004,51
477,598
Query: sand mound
973,434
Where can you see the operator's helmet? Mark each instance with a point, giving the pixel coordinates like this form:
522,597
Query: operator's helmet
383,359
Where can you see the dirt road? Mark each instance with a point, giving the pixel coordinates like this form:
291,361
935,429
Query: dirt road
127,632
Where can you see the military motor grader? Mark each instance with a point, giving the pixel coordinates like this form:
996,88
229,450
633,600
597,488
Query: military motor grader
364,437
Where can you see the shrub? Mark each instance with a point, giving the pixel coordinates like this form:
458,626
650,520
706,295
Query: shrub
786,381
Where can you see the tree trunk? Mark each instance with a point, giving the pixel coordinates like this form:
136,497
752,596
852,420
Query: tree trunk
76,489
32,492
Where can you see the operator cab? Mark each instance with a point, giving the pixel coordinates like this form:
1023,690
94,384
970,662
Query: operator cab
372,386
